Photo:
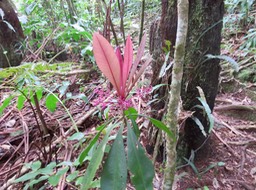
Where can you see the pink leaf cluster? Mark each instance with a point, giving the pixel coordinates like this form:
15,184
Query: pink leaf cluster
118,69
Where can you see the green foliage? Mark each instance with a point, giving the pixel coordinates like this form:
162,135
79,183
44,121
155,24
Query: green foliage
85,152
205,107
38,174
59,27
114,172
250,39
248,75
139,164
95,161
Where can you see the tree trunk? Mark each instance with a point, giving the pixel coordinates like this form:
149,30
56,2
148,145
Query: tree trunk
204,37
11,35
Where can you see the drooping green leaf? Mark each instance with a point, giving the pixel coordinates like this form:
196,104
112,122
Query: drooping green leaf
158,86
208,112
163,127
132,114
139,164
200,125
51,102
114,172
95,162
230,60
164,66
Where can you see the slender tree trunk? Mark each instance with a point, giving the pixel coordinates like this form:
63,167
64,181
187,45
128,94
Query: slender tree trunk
174,99
142,19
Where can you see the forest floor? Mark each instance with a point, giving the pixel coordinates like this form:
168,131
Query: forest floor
228,162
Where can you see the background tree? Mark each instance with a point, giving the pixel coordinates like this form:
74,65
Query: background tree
11,35
204,37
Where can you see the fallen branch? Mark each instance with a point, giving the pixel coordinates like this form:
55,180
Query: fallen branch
235,107
75,72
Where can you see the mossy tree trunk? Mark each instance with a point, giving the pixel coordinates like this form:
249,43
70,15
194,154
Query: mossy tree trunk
174,94
11,35
204,37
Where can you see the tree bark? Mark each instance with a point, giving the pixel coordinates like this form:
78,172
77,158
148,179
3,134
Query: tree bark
11,35
204,37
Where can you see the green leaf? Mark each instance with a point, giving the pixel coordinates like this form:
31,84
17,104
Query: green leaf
200,125
27,176
35,181
64,87
54,179
39,93
79,180
163,127
208,112
51,102
131,113
72,176
158,86
221,164
76,136
230,60
20,101
139,164
88,148
95,162
5,104
36,165
114,172
48,169
164,66
106,112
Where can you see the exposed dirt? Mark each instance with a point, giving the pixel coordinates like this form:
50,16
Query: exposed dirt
230,152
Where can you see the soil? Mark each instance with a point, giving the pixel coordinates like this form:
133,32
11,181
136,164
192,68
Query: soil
229,159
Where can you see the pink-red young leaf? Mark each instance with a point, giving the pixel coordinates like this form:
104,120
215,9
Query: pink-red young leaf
107,60
137,76
137,60
128,59
121,63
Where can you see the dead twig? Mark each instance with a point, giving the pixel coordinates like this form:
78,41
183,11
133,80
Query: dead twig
229,148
